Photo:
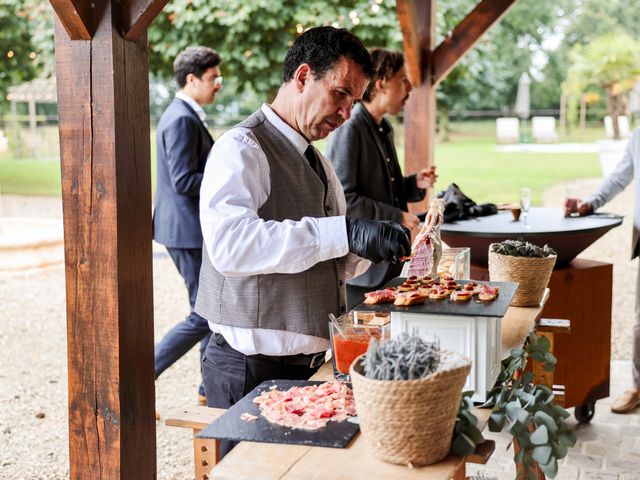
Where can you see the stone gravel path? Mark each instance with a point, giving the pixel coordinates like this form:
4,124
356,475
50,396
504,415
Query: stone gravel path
33,380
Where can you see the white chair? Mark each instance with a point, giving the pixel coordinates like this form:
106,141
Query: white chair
4,142
543,129
623,126
507,130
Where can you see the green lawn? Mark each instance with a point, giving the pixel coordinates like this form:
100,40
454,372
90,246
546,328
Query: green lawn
469,159
29,177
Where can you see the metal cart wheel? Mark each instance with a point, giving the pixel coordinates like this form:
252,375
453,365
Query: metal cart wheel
584,413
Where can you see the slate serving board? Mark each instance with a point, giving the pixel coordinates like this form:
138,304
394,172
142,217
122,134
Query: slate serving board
473,307
230,427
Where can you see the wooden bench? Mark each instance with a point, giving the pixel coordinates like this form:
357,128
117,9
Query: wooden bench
206,452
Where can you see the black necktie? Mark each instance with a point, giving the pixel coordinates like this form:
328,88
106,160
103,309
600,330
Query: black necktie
312,157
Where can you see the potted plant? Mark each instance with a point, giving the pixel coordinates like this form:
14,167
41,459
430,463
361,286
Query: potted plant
407,392
525,263
525,410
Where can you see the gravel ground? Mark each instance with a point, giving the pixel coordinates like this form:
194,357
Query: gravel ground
33,380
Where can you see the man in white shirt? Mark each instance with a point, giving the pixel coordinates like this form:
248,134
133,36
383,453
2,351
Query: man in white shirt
183,145
276,242
626,171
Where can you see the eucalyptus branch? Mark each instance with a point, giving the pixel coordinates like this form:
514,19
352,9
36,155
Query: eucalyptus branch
528,412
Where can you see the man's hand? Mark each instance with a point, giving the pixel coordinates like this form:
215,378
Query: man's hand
377,241
412,223
426,177
575,205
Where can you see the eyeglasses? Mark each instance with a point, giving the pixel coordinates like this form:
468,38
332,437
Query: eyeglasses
217,82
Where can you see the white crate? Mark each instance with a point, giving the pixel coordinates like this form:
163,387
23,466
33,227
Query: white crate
479,338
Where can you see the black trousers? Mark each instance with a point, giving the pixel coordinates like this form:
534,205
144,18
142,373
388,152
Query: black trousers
229,375
192,329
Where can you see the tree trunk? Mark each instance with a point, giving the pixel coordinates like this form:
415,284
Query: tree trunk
563,115
614,111
444,125
583,115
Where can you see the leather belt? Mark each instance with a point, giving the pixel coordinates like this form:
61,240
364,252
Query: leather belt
312,360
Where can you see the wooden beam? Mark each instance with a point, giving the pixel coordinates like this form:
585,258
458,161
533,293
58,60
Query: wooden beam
79,17
103,104
419,34
465,35
412,33
137,15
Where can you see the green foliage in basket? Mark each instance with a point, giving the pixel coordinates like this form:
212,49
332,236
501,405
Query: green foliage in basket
403,358
528,412
520,248
466,435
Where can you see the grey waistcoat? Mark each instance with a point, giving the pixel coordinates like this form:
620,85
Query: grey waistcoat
299,302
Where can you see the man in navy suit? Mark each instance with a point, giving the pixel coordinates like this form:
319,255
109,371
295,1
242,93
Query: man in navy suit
183,145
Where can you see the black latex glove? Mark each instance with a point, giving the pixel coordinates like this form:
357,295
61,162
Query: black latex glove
377,241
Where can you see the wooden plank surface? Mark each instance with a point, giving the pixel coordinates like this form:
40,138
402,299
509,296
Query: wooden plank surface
554,325
518,323
196,417
103,106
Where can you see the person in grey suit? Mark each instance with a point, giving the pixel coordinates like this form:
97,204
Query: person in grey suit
183,145
364,155
627,170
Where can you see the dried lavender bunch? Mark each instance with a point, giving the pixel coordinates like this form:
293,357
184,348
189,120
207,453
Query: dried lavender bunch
403,358
520,248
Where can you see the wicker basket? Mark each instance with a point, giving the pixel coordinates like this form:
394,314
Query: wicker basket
532,275
409,422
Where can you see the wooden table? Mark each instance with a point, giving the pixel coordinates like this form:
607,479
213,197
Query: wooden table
264,461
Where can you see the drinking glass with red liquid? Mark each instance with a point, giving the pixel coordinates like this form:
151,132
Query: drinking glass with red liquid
351,336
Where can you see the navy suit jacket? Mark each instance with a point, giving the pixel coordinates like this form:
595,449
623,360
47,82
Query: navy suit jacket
183,145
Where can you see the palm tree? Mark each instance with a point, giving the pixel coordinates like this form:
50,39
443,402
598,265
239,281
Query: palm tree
611,62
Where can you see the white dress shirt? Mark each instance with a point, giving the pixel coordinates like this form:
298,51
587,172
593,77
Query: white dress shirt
236,184
626,171
195,105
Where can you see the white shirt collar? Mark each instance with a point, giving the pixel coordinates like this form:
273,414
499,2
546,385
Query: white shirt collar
193,104
299,142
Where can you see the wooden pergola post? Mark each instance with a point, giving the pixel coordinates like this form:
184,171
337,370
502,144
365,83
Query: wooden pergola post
103,104
428,65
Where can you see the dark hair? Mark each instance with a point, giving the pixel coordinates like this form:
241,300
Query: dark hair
321,48
196,60
386,63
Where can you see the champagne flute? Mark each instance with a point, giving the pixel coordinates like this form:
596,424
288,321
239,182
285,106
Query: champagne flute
571,201
525,204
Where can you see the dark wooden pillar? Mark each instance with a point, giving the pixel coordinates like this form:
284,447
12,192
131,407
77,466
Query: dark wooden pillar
103,105
418,24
